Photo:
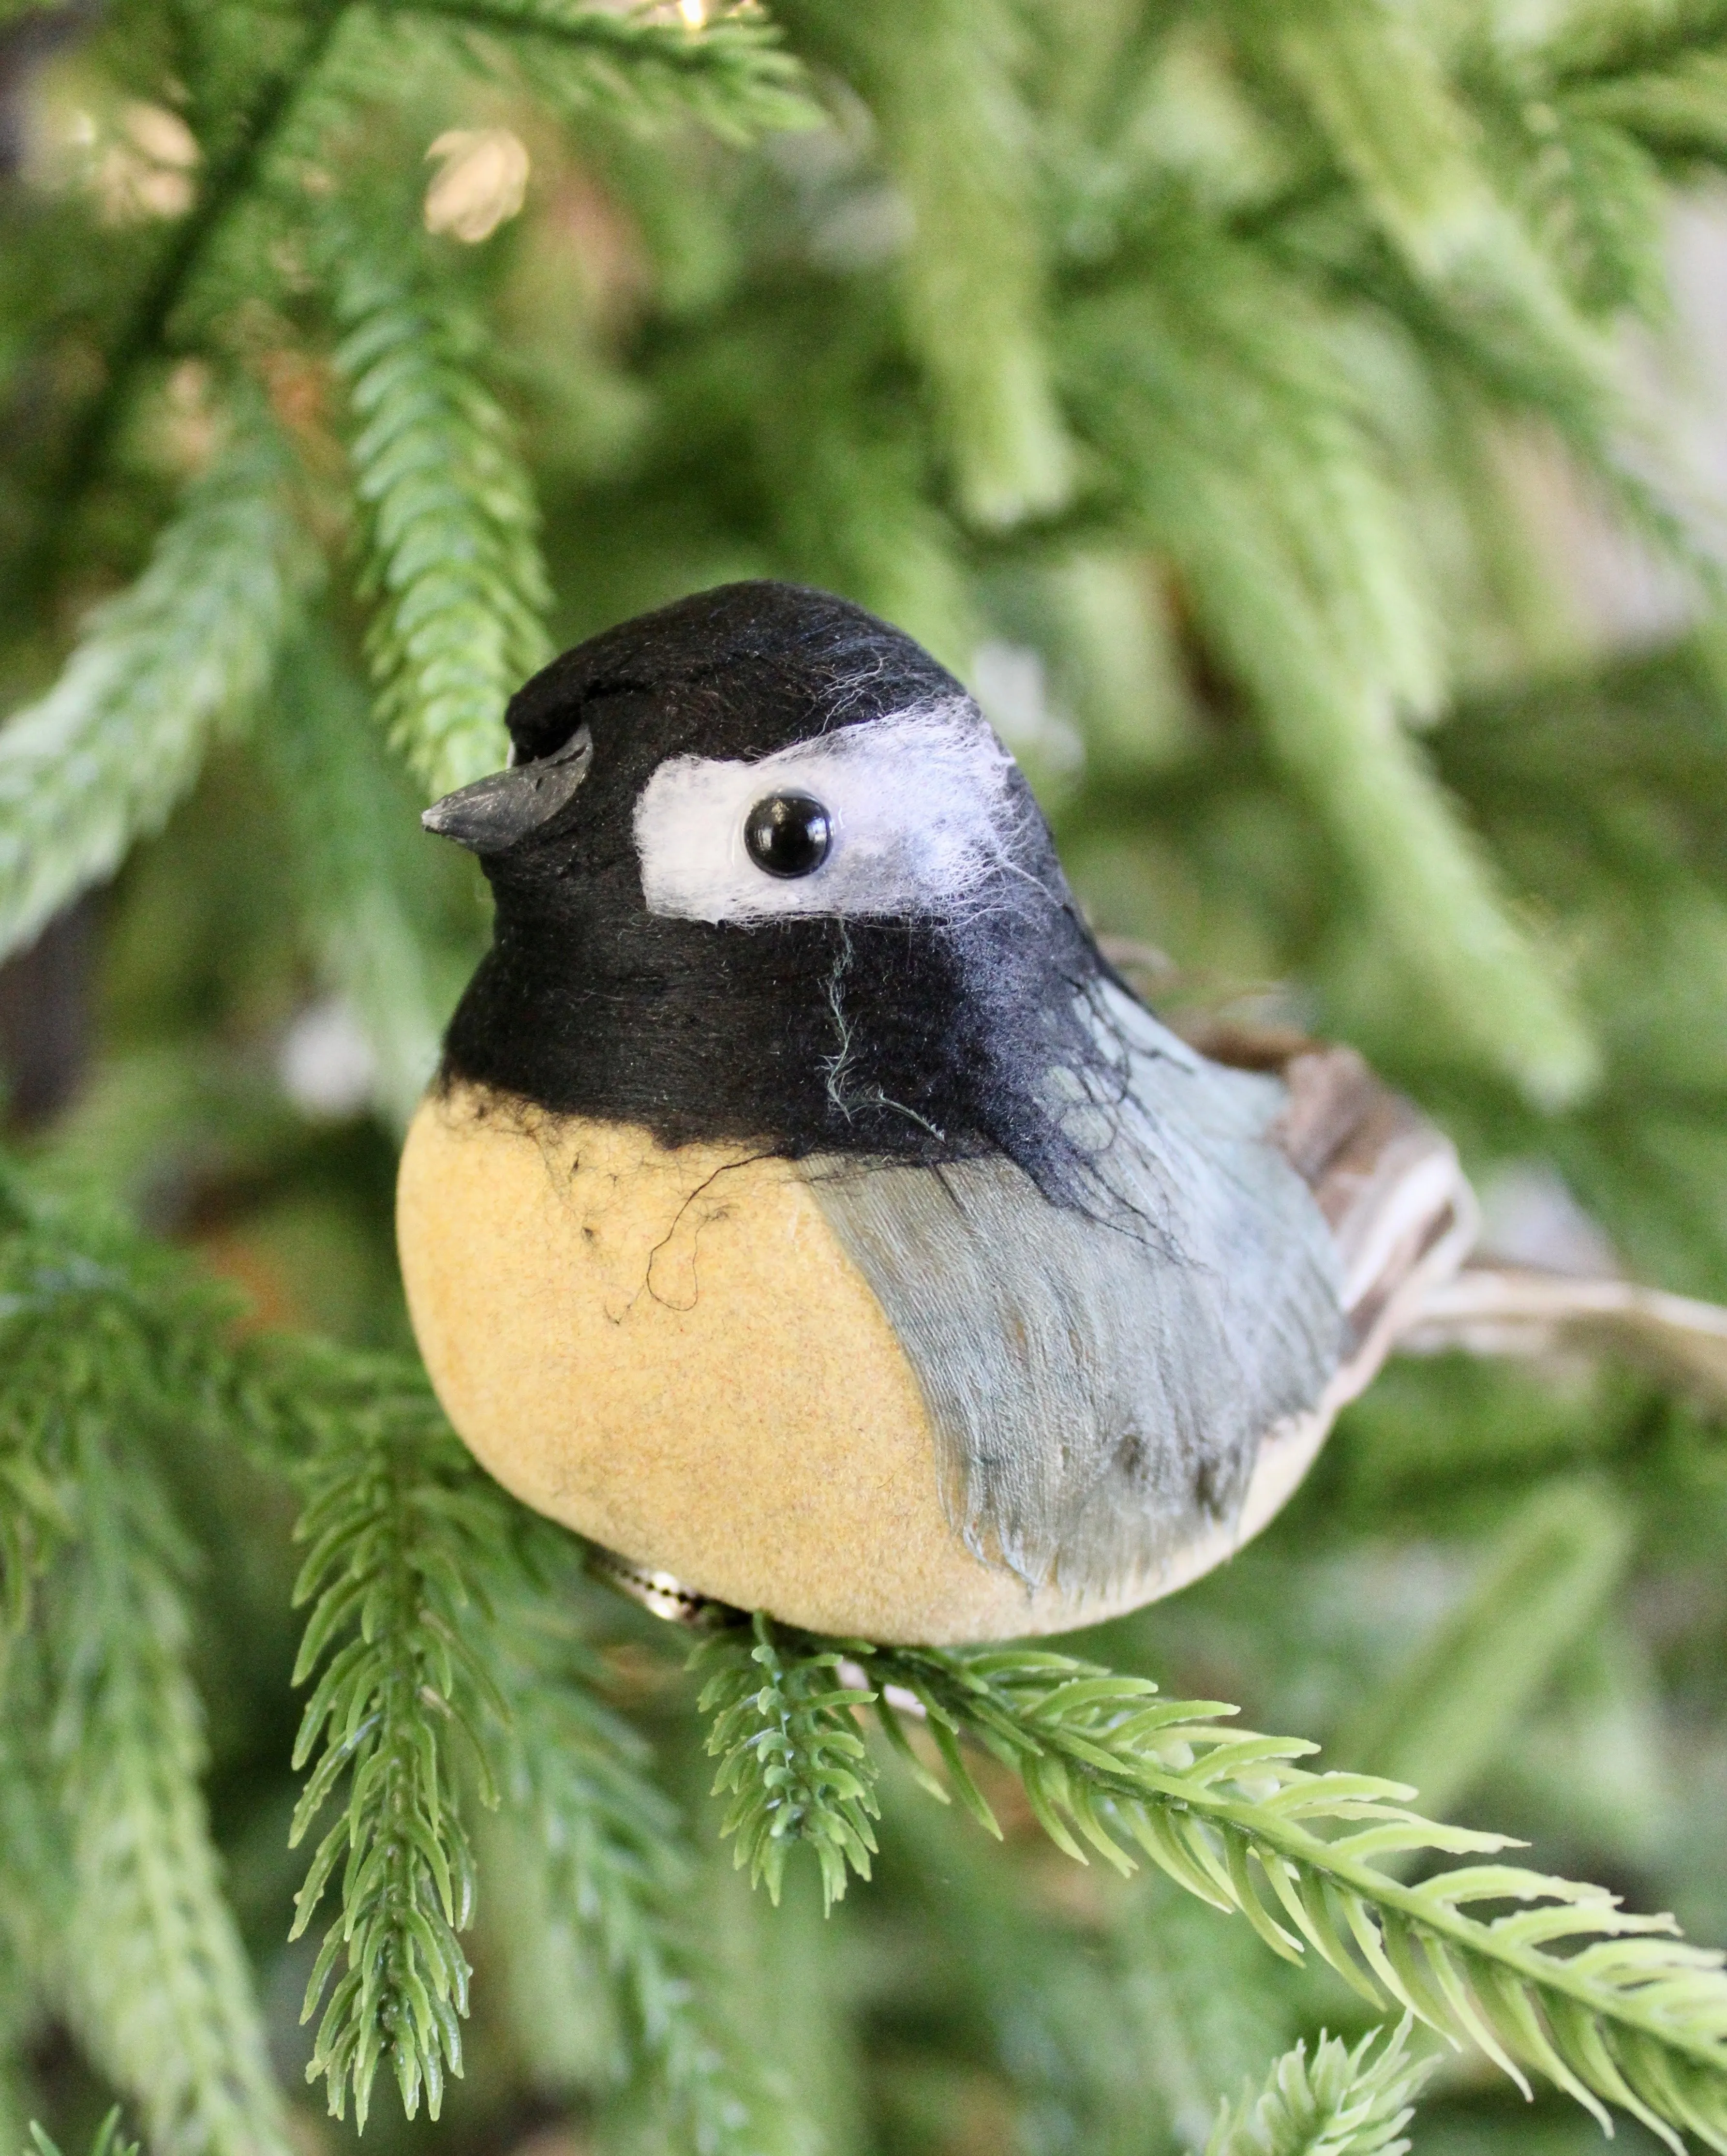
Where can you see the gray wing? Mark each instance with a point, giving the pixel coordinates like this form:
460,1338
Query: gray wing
1100,1382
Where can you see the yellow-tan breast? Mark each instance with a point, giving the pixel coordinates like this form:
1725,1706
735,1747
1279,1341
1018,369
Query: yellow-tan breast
668,1351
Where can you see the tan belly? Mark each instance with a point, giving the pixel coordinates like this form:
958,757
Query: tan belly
668,1352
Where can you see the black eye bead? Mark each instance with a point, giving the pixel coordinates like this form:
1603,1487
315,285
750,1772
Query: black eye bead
788,835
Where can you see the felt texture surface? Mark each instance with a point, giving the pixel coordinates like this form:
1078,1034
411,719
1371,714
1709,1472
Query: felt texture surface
1100,1382
923,1029
671,1353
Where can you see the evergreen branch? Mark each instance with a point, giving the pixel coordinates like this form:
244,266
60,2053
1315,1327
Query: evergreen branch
410,1544
34,1512
409,1535
33,1516
108,2140
1345,2103
452,564
1470,1684
1628,2014
1455,258
282,1399
362,881
35,1855
399,1524
852,507
67,1281
1379,95
100,759
1625,2013
790,1757
1230,421
231,178
734,76
1680,110
939,75
157,1977
1595,45
610,1851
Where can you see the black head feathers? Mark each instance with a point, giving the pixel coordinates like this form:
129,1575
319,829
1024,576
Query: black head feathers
739,671
764,874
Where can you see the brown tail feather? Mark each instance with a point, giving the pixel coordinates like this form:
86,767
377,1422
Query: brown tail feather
1388,1182
1403,1215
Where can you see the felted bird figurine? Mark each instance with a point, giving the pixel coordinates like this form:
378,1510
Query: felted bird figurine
808,1214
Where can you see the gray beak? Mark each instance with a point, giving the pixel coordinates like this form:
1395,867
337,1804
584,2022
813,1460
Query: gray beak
493,813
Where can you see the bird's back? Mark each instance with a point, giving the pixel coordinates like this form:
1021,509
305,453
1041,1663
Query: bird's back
1101,1377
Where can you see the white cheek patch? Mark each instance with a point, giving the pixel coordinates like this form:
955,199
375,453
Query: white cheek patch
918,805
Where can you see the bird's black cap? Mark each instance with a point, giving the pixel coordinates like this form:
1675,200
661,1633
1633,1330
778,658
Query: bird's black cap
742,669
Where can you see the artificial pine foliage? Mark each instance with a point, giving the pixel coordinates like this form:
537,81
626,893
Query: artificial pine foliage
1356,2100
1173,368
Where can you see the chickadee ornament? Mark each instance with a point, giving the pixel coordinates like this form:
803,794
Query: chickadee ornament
805,1210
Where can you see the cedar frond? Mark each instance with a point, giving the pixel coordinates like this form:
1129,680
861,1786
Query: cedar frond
108,2140
1624,2013
184,652
354,866
452,564
1344,2103
116,1352
733,75
612,1850
399,1525
790,1757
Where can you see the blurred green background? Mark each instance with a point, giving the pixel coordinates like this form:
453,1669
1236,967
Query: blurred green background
1298,423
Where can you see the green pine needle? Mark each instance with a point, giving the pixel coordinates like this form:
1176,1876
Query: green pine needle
108,2140
1678,112
1624,2013
1376,87
790,1757
1252,460
442,1636
34,1514
92,1314
111,1350
438,1607
615,1862
400,1528
939,75
360,876
1344,2103
733,75
185,652
1240,298
452,564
